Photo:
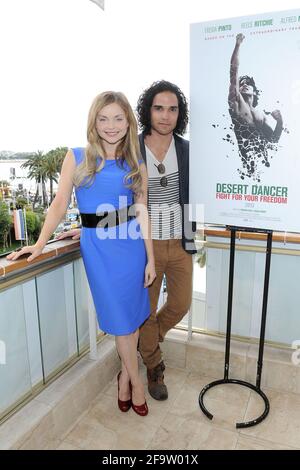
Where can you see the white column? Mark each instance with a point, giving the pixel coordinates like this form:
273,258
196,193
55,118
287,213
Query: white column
92,325
190,314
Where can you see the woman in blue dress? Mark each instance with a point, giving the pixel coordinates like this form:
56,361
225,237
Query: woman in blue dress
111,189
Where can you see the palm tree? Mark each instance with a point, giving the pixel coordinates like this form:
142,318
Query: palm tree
5,223
52,166
36,171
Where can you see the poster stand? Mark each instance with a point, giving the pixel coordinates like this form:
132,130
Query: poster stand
226,379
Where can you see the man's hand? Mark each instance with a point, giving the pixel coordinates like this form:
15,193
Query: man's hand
277,116
239,39
74,233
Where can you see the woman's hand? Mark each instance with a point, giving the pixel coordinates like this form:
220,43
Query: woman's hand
35,250
150,273
74,233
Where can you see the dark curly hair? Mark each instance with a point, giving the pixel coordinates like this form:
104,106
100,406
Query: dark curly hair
145,102
250,81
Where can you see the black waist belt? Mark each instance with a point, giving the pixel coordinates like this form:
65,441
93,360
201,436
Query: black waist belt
107,219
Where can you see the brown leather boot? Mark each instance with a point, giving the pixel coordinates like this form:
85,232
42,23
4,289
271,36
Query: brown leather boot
156,386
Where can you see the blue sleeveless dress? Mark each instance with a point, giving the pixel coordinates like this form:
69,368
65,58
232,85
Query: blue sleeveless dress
114,257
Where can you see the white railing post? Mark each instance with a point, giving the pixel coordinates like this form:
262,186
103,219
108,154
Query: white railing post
2,353
190,314
190,322
92,326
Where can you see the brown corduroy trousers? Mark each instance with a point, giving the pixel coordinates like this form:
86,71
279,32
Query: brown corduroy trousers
177,265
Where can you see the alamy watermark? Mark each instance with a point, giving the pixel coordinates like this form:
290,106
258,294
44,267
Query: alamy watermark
296,353
113,221
2,353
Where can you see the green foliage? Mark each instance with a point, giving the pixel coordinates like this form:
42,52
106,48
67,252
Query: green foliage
5,224
21,202
40,218
4,188
201,257
52,166
201,252
34,221
35,170
33,225
55,158
43,167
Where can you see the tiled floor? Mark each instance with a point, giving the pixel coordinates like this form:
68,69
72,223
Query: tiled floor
178,423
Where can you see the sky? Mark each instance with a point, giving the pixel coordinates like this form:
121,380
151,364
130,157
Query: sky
57,55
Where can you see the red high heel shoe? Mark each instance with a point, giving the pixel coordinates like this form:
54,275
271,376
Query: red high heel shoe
141,410
123,405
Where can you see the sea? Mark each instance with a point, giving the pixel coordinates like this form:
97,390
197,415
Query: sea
11,171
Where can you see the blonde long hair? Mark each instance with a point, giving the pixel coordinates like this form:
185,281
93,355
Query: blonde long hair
128,149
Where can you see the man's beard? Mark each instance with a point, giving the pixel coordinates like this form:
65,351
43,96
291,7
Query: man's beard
168,131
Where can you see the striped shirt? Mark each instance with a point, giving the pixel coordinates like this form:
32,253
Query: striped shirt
163,202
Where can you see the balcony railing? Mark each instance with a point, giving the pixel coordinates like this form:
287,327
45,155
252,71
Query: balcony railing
46,321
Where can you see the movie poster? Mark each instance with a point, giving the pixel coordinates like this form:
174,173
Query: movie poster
245,124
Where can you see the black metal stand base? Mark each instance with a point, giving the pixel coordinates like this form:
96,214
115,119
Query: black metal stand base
256,388
246,424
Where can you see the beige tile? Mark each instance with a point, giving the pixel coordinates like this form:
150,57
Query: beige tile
227,403
271,353
279,372
106,427
218,439
177,335
90,434
80,398
54,392
43,421
251,368
203,361
72,414
15,431
187,434
98,379
174,353
97,373
66,446
279,375
174,379
297,381
249,443
108,369
72,394
211,362
226,393
107,412
214,343
175,376
42,436
282,425
40,442
69,410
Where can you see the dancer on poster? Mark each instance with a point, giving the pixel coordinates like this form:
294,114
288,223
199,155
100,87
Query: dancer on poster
254,133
